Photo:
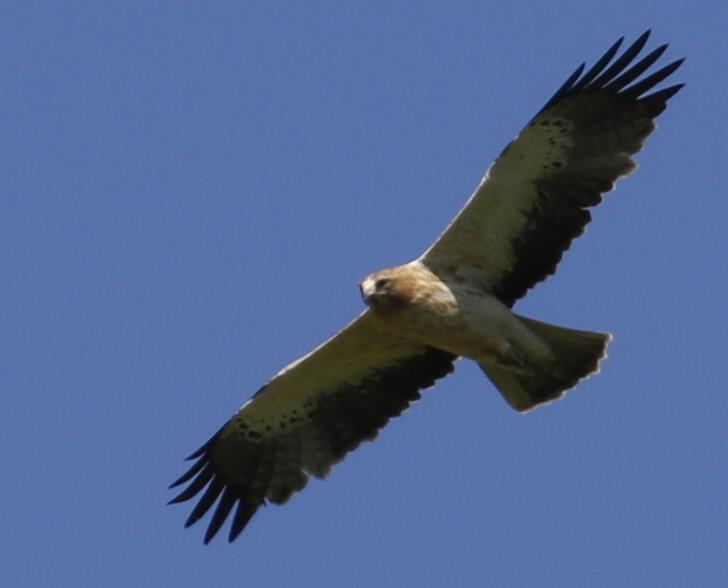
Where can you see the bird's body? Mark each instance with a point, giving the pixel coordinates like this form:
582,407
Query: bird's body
453,301
447,312
529,362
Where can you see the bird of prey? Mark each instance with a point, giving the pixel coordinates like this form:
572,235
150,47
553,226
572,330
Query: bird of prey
453,301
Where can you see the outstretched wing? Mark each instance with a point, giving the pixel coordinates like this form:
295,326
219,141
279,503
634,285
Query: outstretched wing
306,419
534,199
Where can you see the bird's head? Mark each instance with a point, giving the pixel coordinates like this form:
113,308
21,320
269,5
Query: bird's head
387,290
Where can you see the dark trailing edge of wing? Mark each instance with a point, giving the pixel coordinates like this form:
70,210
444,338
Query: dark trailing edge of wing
610,92
344,418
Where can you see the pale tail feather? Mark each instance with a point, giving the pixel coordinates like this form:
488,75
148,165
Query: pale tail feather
577,355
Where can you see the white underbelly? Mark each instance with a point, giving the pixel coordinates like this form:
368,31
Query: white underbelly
465,323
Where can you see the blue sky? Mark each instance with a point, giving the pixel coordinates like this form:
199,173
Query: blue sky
191,192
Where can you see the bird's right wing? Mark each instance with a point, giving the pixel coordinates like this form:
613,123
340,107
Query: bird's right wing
306,419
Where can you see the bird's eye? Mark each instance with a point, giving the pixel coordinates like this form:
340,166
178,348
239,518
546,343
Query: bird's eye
381,283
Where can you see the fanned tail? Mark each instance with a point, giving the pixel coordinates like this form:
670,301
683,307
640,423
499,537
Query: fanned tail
577,353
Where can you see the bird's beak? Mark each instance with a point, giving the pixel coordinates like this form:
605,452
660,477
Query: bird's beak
366,288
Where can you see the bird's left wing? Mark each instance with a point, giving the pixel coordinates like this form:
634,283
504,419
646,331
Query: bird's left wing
306,419
534,199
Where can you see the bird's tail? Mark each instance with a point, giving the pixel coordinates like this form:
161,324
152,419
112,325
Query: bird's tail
530,383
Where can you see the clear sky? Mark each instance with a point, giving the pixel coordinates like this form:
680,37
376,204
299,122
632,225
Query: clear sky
191,192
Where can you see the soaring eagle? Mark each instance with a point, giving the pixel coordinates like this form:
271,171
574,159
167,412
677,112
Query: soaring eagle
453,301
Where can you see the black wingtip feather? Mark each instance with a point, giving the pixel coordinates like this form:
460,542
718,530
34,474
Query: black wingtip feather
597,68
621,62
636,70
243,514
200,452
636,90
224,506
206,446
208,499
666,93
571,79
197,484
189,474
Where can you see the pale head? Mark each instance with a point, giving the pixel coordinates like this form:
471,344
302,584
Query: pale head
388,290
